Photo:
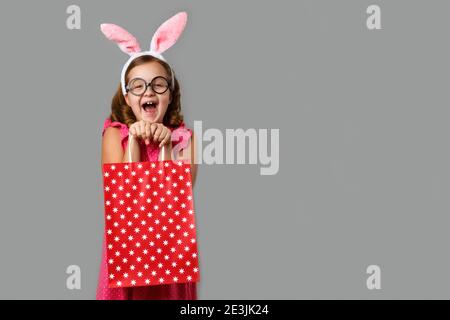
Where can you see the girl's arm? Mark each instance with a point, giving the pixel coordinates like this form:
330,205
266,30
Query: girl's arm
112,151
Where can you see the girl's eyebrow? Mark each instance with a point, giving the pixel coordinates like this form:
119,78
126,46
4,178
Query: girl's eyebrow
148,80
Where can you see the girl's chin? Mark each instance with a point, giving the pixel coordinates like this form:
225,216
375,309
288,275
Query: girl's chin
150,116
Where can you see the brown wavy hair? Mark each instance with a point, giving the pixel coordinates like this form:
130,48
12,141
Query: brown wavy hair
123,113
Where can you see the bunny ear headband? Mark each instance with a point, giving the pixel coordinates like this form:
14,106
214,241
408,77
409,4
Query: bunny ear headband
165,37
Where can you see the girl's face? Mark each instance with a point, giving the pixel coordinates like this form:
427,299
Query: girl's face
148,71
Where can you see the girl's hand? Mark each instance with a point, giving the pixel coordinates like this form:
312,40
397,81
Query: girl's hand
160,133
141,129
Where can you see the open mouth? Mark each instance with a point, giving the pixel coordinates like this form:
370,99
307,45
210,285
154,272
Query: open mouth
149,107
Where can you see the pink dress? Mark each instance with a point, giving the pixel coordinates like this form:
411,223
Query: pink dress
177,291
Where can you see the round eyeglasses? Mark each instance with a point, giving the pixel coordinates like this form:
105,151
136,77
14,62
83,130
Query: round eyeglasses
138,86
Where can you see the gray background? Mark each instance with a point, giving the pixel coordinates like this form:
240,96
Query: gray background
364,161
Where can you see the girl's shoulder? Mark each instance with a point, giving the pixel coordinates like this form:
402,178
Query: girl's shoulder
181,134
123,128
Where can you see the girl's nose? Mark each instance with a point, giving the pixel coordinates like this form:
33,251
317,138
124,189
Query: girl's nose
148,91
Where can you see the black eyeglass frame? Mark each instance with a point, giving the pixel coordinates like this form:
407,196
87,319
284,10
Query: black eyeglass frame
148,84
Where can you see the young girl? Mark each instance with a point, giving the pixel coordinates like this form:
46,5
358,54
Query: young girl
149,111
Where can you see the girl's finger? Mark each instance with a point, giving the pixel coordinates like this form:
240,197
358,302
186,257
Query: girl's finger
137,129
163,134
142,129
133,131
153,127
147,133
165,140
157,134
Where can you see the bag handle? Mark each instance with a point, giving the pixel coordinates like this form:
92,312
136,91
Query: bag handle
162,152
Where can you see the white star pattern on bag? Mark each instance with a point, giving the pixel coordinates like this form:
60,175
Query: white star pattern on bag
163,248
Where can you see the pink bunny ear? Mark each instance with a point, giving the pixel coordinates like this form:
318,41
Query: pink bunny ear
168,33
126,42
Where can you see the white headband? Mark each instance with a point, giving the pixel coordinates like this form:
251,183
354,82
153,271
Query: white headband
165,36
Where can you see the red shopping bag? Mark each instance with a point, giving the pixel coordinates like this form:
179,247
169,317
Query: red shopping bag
149,223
